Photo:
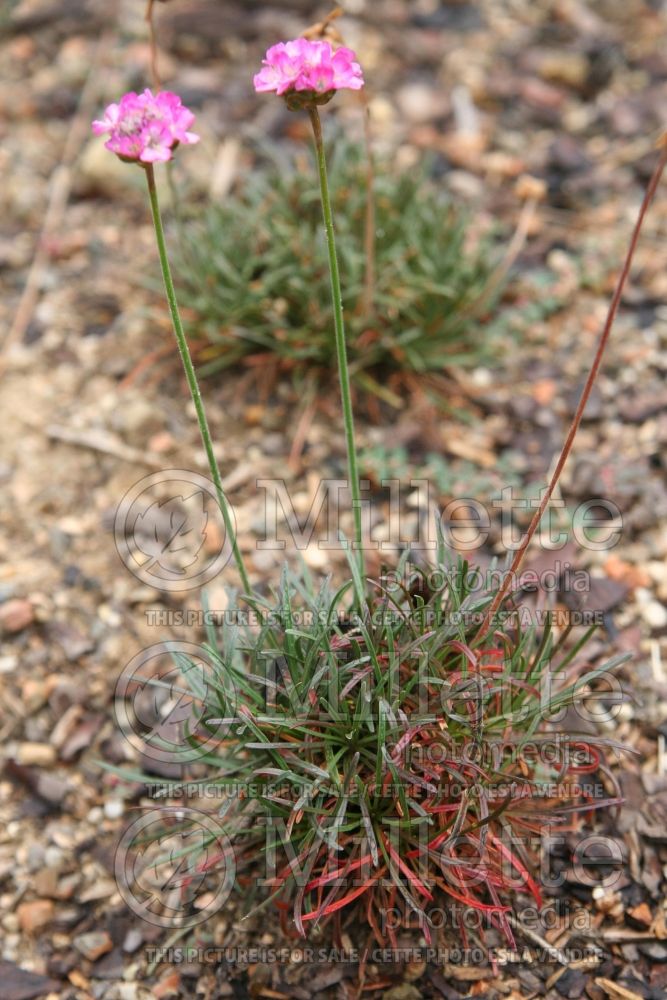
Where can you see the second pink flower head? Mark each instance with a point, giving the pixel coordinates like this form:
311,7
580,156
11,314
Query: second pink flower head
147,127
302,65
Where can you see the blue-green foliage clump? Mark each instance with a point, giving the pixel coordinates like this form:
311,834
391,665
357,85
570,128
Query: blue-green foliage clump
254,275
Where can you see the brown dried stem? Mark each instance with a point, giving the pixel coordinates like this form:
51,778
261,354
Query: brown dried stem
574,426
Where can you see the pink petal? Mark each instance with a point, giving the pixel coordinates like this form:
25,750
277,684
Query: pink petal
275,52
318,78
156,154
146,126
302,64
267,79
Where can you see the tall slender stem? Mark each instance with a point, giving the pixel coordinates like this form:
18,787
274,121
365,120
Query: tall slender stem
339,327
191,377
368,298
576,420
150,15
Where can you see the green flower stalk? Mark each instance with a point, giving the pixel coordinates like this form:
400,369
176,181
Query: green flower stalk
339,327
308,74
191,377
145,129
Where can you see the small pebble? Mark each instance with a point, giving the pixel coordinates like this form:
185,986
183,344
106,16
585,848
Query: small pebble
655,614
421,103
114,808
8,664
35,914
93,945
36,754
53,856
15,615
133,940
35,693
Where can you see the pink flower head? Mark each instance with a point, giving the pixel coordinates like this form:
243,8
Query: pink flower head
313,67
146,127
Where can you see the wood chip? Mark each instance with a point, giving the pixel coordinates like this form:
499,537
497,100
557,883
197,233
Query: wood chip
616,991
20,984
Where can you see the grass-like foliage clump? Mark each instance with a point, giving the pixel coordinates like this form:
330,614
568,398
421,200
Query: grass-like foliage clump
397,744
254,275
377,762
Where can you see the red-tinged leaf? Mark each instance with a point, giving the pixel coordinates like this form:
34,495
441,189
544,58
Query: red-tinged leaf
494,652
517,682
598,804
331,876
282,876
593,765
501,919
466,651
209,863
297,911
480,875
407,871
357,676
338,904
518,866
405,740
